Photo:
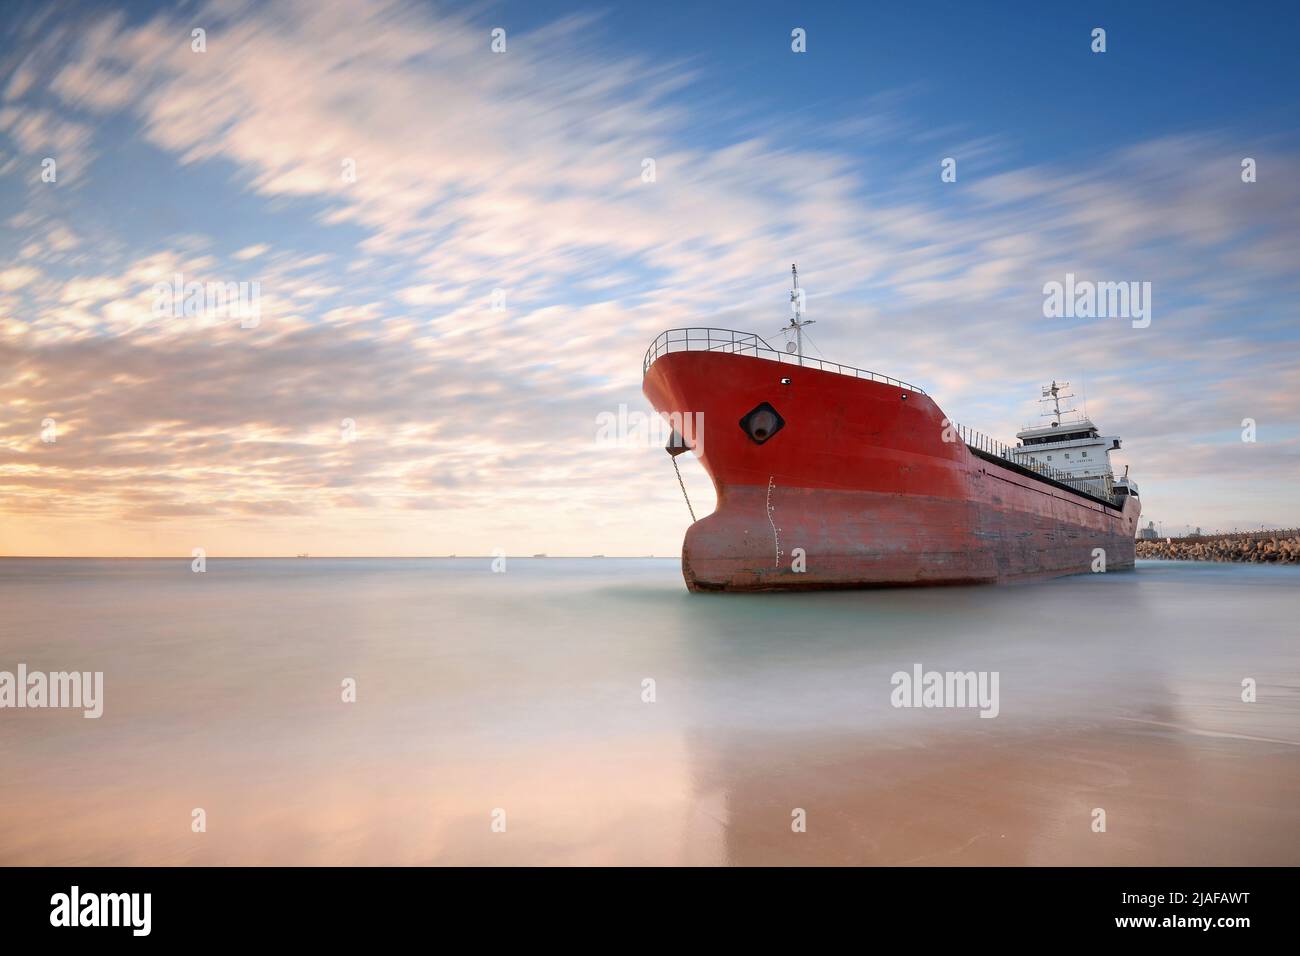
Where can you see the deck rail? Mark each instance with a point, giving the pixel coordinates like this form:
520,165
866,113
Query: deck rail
1101,487
751,343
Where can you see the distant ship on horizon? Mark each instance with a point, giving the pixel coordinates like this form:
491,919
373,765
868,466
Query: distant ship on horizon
830,476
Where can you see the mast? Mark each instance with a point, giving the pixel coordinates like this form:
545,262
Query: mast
796,322
1052,394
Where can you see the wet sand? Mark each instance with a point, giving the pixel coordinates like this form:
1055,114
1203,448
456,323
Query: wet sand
1169,801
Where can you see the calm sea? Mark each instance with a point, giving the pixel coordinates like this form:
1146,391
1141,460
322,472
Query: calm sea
592,711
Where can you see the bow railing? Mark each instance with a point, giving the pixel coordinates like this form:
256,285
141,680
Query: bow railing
750,343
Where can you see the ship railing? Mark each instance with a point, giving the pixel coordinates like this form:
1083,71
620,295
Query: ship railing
750,343
1101,487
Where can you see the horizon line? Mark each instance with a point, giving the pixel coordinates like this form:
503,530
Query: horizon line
296,557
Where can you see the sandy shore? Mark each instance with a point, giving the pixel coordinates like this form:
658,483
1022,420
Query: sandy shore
1172,796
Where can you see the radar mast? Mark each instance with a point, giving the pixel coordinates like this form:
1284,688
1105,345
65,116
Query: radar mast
797,322
1053,394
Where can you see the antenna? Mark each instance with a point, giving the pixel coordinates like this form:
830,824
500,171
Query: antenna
1053,394
797,322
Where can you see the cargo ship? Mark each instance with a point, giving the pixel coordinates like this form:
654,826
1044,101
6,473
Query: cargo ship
831,476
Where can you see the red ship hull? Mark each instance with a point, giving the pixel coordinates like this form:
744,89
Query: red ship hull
861,480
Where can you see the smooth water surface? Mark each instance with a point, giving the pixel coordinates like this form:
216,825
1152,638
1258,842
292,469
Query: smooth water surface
520,698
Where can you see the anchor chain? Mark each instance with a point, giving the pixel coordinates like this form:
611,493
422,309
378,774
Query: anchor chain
683,484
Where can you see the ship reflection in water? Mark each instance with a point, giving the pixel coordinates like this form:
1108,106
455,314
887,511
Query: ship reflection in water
521,697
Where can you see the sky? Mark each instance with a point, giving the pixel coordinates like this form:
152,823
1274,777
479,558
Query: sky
459,258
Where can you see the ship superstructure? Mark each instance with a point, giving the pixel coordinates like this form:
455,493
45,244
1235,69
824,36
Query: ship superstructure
1070,444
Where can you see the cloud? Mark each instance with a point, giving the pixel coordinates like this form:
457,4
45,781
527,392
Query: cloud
44,134
429,294
16,277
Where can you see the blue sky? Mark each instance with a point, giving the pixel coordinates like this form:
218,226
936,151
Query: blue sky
521,172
